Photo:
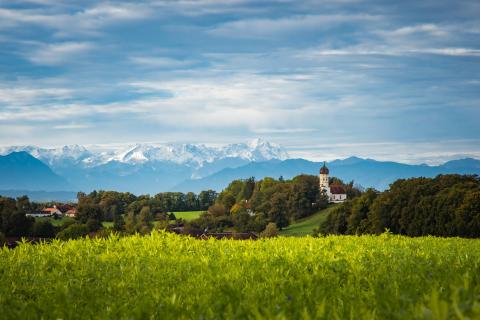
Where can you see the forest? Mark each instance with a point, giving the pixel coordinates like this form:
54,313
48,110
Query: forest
448,205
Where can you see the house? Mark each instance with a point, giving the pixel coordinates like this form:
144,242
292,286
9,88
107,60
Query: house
64,208
72,213
335,193
52,211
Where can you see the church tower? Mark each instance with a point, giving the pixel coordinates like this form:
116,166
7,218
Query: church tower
324,185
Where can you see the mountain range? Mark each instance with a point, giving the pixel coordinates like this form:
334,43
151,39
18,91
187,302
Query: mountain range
153,168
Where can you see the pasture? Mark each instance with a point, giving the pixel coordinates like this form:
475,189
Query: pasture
188,215
305,227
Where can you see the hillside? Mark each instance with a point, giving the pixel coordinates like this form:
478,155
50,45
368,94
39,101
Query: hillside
304,227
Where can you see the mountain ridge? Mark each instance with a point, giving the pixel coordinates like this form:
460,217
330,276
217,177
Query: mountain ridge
366,172
159,173
24,171
194,155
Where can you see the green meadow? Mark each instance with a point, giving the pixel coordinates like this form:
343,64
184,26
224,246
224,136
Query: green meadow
306,226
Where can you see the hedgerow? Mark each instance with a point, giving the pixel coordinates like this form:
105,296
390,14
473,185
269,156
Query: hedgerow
166,276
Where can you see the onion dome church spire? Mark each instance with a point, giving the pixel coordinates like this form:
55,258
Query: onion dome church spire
324,169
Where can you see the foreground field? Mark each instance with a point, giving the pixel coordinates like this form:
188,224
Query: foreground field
173,277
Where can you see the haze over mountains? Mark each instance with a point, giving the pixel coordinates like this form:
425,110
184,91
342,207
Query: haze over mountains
153,168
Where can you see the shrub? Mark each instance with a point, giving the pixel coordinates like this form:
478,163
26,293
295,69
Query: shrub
73,231
270,231
43,229
93,225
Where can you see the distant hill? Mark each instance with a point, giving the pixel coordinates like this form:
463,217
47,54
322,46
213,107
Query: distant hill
21,171
42,196
365,172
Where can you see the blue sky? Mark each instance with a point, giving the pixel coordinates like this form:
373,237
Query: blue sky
326,79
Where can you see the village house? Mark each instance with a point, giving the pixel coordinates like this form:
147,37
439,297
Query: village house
72,213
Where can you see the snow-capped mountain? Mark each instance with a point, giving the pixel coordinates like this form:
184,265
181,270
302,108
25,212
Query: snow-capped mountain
192,155
151,167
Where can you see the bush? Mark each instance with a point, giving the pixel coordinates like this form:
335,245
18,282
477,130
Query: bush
43,229
73,231
93,225
270,231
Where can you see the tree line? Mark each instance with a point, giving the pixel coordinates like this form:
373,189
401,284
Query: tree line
448,205
129,213
250,205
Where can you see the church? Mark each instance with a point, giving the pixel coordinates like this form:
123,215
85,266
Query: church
335,193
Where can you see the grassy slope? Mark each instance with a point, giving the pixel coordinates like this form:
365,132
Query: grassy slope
305,226
188,215
166,276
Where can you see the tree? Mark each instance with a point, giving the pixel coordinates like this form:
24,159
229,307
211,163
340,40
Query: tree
278,210
247,189
206,199
93,225
73,231
145,217
217,210
118,223
88,210
43,229
131,223
270,231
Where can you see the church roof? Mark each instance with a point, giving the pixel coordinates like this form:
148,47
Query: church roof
337,189
324,169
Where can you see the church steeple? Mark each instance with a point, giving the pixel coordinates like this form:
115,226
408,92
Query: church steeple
324,169
324,185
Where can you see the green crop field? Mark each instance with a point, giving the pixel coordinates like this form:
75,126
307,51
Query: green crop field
188,215
166,276
305,226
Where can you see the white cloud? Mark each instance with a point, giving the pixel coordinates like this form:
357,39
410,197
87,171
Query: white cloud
17,95
264,27
71,126
458,52
87,21
161,62
431,29
59,53
386,50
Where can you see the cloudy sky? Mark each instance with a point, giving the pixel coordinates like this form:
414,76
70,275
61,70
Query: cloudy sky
325,78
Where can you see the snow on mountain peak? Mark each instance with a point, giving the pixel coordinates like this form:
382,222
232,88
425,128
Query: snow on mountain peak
189,154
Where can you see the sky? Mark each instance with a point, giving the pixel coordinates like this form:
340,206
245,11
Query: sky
326,79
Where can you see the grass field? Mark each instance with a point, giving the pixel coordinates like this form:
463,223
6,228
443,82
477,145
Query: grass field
305,226
188,215
166,276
